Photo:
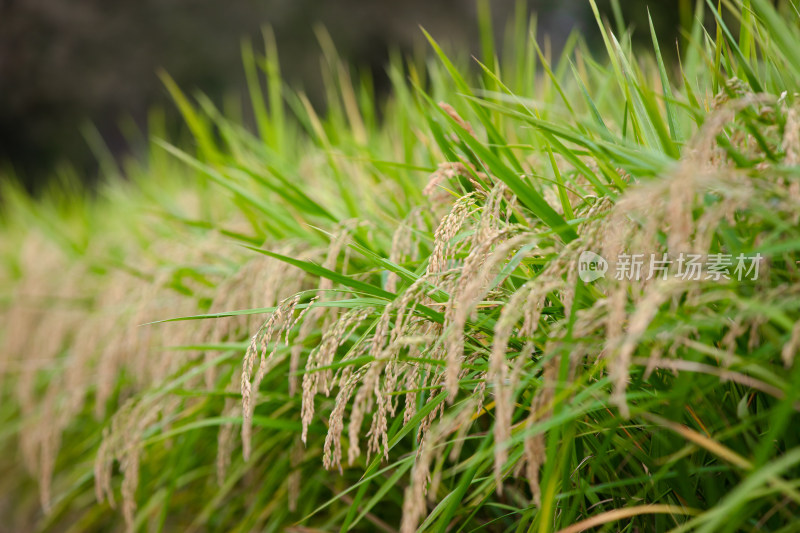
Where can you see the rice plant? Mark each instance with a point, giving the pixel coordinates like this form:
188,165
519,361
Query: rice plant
393,315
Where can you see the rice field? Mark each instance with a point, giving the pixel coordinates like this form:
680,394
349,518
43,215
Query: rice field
519,293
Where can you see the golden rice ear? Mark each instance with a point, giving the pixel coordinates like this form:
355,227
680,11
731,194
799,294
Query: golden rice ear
277,326
790,349
415,505
332,450
450,110
226,434
295,476
447,229
122,442
525,302
322,356
790,143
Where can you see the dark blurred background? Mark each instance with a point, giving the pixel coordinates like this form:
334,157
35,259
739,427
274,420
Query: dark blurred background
65,62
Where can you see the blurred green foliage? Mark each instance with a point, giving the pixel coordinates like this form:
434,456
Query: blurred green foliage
64,62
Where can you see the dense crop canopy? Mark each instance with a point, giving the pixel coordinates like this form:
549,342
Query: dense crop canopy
537,294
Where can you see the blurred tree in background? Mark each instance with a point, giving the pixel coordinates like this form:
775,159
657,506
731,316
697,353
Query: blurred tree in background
63,62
